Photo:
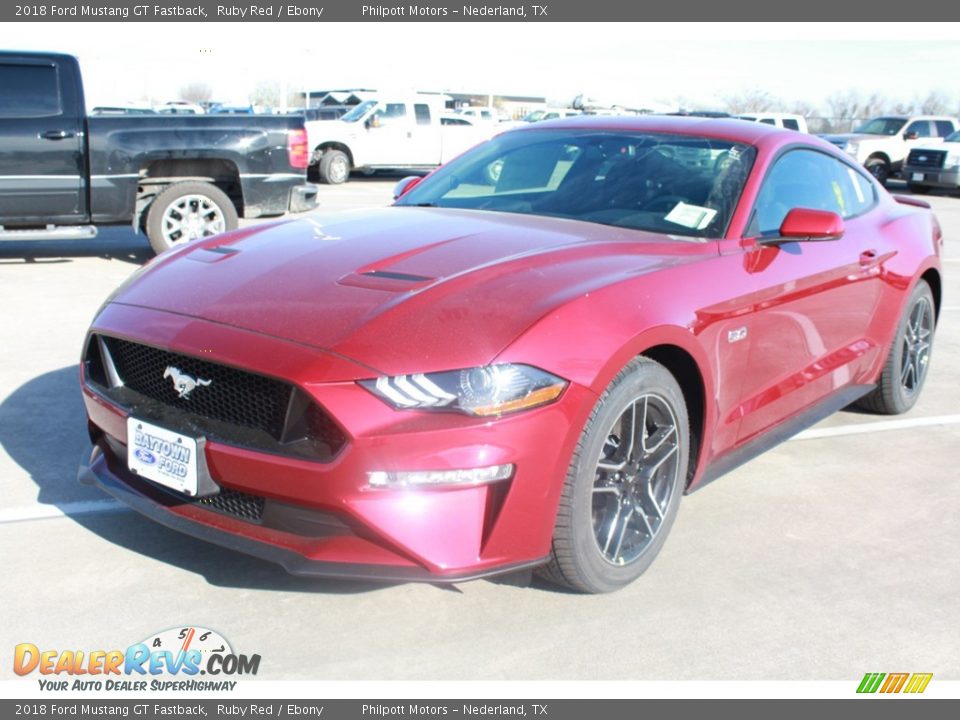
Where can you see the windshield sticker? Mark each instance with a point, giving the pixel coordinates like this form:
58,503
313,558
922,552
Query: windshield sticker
838,193
691,216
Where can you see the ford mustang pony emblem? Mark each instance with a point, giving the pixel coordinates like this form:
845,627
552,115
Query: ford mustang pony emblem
183,383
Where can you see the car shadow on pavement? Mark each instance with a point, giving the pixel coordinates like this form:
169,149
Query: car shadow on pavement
43,430
111,243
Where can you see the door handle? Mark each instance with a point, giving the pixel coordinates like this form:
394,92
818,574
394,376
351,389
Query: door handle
56,135
868,257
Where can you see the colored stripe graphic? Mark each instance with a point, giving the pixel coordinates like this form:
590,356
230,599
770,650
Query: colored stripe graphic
918,682
870,682
894,683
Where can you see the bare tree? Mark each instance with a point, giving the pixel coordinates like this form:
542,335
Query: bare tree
802,107
752,100
935,103
196,92
266,94
844,105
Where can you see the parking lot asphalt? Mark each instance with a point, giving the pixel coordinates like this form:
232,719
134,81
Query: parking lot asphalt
833,555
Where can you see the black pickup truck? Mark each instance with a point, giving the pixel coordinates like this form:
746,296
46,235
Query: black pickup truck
175,177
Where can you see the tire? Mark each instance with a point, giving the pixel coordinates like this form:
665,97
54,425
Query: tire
879,168
620,499
918,189
188,211
907,364
334,167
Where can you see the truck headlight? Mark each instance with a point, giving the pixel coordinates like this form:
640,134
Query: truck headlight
953,158
483,391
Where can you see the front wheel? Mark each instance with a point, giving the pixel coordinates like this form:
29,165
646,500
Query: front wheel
624,484
188,211
906,367
879,168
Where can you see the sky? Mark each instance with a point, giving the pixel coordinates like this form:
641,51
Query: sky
628,63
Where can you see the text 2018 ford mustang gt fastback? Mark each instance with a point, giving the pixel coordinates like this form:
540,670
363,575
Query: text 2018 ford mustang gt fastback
526,361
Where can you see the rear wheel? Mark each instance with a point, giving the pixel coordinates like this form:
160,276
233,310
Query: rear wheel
624,484
906,367
334,167
188,211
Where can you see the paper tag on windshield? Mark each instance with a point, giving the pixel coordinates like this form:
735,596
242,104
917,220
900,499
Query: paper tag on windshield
691,216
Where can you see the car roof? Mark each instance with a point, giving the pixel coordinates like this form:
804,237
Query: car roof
733,129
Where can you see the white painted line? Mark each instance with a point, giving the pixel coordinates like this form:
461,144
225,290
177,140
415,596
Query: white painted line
951,307
880,426
46,512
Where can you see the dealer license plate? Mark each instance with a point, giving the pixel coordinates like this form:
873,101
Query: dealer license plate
161,455
917,176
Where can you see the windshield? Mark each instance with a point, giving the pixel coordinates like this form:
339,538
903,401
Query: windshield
882,126
676,184
534,116
359,111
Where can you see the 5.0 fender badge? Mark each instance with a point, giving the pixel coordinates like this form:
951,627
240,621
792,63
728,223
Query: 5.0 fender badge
184,384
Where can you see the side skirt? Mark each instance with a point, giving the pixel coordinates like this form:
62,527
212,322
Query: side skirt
784,431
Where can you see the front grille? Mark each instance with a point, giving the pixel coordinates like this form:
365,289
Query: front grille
235,503
232,396
926,158
234,406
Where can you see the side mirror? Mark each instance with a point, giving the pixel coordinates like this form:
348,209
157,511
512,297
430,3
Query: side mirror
803,224
405,186
910,135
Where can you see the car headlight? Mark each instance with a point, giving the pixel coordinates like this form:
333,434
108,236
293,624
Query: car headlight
482,391
851,148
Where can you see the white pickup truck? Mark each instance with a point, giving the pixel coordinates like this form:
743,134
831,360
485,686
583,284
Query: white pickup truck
881,144
389,133
927,168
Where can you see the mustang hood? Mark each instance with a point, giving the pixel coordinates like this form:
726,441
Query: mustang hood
393,288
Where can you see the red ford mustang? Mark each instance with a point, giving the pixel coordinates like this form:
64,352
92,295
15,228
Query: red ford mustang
526,361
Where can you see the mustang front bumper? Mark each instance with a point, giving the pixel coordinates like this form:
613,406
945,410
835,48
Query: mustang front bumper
323,518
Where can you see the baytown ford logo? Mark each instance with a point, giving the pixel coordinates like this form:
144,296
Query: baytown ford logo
174,659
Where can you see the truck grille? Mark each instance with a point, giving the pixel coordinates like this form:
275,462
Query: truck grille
926,158
237,407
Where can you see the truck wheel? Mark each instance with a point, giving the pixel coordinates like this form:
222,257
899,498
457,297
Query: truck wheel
334,167
879,168
188,211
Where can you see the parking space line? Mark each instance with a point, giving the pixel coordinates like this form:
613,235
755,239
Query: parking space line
46,512
881,426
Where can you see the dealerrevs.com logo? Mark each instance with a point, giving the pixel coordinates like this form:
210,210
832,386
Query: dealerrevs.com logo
173,659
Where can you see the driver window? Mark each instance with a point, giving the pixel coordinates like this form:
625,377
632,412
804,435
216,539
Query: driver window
800,179
920,127
388,114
